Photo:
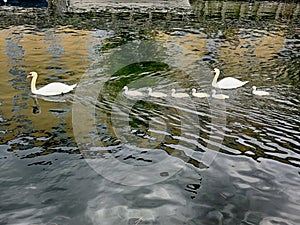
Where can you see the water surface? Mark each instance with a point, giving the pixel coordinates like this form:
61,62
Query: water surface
96,156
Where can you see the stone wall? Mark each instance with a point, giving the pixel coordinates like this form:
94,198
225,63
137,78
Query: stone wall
242,9
203,8
98,5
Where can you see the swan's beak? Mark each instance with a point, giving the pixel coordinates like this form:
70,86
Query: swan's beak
29,76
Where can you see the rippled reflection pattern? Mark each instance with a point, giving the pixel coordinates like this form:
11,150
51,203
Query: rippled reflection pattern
223,162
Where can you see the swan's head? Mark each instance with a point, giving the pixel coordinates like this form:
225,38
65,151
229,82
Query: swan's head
125,88
150,89
214,92
32,74
254,87
173,91
193,90
216,71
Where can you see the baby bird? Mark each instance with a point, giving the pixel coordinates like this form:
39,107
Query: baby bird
156,94
218,96
259,93
132,93
199,95
178,95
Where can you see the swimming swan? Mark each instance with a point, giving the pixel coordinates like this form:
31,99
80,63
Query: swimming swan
178,95
51,89
132,93
199,95
156,94
218,96
259,93
226,83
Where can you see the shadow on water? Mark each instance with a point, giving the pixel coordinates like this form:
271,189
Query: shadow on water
97,156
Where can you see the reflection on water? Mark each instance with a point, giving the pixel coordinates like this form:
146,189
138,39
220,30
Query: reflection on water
205,161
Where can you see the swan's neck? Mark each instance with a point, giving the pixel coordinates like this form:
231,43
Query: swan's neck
214,82
32,86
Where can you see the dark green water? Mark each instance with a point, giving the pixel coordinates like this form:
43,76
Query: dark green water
95,156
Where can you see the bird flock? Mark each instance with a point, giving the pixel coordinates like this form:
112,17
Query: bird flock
226,83
58,88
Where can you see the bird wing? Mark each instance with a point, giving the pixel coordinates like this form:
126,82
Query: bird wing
55,89
230,82
136,93
262,93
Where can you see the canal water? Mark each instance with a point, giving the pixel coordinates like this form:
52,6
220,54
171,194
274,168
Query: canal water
97,156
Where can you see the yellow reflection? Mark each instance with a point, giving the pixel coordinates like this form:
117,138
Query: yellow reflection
269,46
4,59
49,53
243,53
192,46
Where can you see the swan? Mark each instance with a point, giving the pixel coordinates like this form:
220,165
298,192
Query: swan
51,89
226,83
132,93
259,93
156,94
199,95
218,96
178,95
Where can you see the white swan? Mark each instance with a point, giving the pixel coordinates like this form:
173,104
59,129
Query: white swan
226,83
132,93
51,89
156,94
178,95
199,95
259,93
218,96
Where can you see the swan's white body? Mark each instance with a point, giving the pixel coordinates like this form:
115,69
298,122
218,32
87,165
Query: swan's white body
132,93
156,94
199,95
51,89
226,83
259,93
218,96
178,95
